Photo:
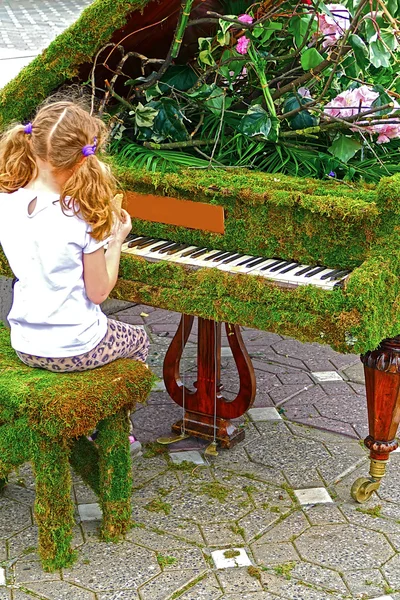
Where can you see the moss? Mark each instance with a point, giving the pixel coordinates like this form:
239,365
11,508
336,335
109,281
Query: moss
165,561
231,553
42,414
158,505
216,491
254,572
375,511
62,59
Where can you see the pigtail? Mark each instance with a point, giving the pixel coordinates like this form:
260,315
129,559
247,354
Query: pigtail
89,193
17,162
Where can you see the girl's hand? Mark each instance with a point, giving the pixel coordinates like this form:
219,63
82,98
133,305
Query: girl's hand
122,227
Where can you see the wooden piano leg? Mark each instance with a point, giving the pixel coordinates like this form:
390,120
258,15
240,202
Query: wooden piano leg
382,380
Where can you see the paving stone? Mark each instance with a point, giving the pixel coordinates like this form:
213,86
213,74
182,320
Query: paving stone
391,571
206,589
13,517
167,583
102,567
236,581
294,590
365,516
117,308
264,414
324,514
343,547
313,496
60,590
90,512
84,494
121,595
274,554
161,543
2,576
286,530
186,558
31,572
6,595
251,596
191,456
318,576
355,373
366,582
223,559
19,493
322,376
222,534
306,396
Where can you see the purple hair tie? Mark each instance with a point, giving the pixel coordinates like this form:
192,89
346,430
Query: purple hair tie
28,128
90,149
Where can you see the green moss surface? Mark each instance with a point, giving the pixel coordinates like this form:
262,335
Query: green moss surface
63,57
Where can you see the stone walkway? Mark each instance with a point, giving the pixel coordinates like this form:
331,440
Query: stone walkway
271,518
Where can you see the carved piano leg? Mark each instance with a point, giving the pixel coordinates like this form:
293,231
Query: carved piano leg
382,379
206,413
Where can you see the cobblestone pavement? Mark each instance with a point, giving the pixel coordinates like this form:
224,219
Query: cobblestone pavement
237,526
30,25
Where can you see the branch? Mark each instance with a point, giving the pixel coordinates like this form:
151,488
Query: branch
174,145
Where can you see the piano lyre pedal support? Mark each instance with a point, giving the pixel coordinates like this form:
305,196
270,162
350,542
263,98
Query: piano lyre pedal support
382,380
207,414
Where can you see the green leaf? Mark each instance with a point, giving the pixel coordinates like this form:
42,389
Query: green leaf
202,92
152,92
218,101
223,39
310,59
169,120
224,25
389,39
230,71
206,58
344,148
257,123
303,118
378,54
204,43
180,77
145,115
360,50
298,27
382,99
265,31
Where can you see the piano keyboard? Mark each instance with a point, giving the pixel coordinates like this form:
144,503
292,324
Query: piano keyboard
285,272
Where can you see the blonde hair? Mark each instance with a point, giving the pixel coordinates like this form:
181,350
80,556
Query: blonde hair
60,130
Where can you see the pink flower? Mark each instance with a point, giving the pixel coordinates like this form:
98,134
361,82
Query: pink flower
304,92
242,44
386,131
333,27
246,19
351,102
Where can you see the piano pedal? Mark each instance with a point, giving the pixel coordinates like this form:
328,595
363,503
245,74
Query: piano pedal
171,440
211,450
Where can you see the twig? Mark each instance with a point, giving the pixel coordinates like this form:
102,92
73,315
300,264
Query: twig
92,74
118,97
219,130
174,145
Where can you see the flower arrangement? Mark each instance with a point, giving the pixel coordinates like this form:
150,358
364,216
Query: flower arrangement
305,88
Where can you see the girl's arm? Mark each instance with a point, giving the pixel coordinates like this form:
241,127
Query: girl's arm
100,269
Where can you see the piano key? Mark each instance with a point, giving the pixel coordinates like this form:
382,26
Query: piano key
147,243
199,253
278,269
231,258
160,245
276,265
137,241
331,273
254,262
216,254
290,268
243,268
224,256
175,250
340,275
145,251
315,271
191,251
167,248
303,271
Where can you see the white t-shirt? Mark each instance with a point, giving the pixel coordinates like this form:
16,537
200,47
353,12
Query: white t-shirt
51,315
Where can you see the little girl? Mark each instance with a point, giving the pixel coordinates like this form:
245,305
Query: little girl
56,216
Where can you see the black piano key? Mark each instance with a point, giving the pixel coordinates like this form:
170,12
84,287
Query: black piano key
274,264
339,275
175,250
316,271
171,247
147,243
279,267
225,255
288,269
303,271
191,251
199,253
252,262
159,245
246,261
137,241
331,273
230,259
216,255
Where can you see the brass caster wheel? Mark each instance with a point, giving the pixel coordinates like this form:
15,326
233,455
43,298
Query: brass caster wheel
362,489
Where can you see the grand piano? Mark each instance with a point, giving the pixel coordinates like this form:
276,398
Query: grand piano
315,260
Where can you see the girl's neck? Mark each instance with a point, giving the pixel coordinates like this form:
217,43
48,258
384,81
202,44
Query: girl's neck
44,182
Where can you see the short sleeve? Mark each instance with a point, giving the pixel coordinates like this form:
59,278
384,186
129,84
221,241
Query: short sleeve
92,245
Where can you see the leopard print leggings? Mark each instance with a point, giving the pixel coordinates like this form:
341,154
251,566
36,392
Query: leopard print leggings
121,341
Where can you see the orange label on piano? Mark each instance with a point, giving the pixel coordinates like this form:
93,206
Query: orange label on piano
171,211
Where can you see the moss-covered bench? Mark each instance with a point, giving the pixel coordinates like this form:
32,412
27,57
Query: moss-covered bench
45,418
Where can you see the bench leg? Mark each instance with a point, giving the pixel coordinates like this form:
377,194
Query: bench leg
115,465
54,509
